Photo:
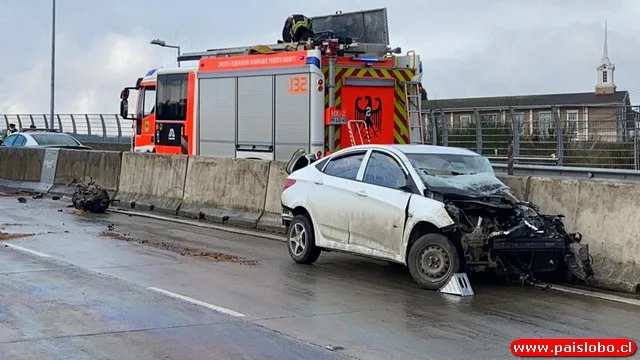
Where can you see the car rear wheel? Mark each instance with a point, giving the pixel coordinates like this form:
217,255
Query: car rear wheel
432,261
301,241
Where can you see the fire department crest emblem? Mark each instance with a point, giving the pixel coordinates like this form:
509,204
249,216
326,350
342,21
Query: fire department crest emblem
371,114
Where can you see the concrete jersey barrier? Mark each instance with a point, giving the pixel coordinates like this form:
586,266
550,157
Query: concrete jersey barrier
26,169
225,190
605,213
152,182
271,217
246,193
103,167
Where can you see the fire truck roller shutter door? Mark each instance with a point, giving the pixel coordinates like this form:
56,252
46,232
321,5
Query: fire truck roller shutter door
292,112
255,117
371,100
401,130
217,115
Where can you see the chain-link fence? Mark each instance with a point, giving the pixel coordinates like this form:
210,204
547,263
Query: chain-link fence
604,137
87,128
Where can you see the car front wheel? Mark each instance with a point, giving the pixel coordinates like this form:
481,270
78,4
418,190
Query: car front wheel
301,241
432,261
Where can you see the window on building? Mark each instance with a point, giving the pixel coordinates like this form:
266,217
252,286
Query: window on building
572,122
465,121
604,76
518,119
490,120
544,118
172,97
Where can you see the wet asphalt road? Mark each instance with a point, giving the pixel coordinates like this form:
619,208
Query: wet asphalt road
90,299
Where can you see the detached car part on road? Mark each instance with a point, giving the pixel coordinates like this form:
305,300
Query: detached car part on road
437,210
90,197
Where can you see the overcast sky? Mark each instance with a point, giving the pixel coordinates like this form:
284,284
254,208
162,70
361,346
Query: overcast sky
469,47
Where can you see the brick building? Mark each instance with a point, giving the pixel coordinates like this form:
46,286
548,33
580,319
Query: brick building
604,114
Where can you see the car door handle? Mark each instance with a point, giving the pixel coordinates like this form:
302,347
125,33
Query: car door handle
362,193
318,182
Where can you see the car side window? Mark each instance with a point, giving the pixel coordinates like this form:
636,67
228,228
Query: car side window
384,170
9,140
320,164
345,167
20,140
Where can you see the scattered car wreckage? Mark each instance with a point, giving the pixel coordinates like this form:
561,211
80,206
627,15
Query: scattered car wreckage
499,233
90,197
495,232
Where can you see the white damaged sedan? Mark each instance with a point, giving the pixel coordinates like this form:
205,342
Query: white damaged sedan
438,210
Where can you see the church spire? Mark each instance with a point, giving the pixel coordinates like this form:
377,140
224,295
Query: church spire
605,84
605,53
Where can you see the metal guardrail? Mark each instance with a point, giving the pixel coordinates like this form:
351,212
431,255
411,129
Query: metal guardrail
111,128
87,128
569,172
605,136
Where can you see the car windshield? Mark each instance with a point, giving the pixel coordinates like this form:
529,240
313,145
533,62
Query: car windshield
48,139
457,174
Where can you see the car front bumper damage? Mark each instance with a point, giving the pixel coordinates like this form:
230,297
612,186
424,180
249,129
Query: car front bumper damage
514,239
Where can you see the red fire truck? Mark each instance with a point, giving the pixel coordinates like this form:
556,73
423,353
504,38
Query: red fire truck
267,101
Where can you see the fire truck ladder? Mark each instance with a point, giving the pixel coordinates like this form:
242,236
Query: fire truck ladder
359,126
242,50
354,48
413,104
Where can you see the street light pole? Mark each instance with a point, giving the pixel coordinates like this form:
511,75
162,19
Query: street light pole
53,62
164,44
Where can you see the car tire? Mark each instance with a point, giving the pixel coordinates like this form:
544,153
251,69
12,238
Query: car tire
301,242
432,261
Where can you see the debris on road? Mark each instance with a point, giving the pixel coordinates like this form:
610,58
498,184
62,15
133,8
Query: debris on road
334,347
22,200
182,250
7,236
115,235
90,197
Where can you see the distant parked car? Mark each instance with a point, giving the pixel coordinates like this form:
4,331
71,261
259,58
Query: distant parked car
43,138
438,210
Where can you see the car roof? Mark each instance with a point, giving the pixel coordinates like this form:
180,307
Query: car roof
434,149
419,149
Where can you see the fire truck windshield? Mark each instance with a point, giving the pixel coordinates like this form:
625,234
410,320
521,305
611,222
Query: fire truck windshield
147,101
172,97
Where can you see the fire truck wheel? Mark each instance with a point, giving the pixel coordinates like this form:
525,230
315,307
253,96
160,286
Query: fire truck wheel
301,241
432,261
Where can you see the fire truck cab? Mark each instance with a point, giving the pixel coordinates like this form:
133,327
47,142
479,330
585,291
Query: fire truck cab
268,101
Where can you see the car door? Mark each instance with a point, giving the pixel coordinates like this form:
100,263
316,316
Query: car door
333,195
384,193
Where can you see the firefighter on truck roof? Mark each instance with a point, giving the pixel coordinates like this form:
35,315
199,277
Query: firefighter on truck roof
297,28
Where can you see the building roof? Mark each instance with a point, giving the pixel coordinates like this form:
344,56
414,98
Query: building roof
529,101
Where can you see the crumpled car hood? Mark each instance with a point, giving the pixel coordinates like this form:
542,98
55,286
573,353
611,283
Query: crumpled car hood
480,185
